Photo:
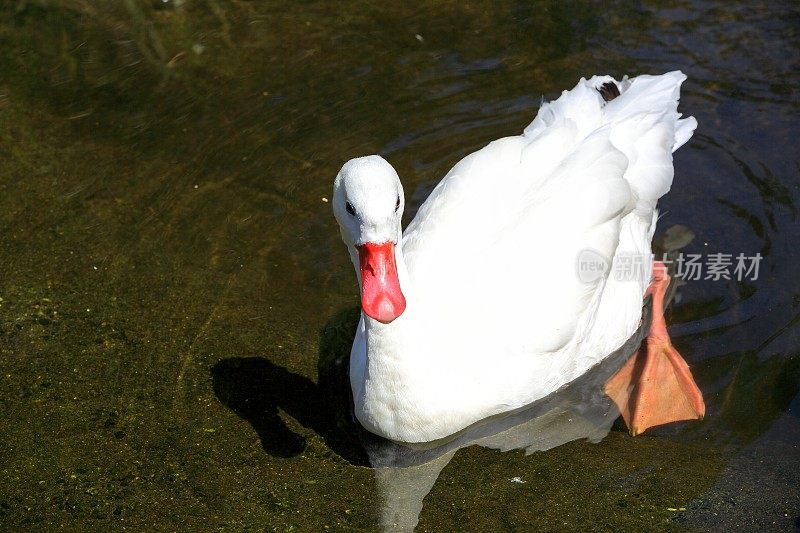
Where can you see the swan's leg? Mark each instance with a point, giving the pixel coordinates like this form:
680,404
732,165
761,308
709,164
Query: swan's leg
655,386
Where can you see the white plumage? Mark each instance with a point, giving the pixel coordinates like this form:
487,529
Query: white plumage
497,316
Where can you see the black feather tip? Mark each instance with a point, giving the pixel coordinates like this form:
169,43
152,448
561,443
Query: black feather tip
609,91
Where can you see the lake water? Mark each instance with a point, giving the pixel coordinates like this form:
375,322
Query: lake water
175,301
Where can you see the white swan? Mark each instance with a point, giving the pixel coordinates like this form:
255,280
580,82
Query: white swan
478,307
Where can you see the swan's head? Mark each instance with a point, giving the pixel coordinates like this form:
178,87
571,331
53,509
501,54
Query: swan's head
368,204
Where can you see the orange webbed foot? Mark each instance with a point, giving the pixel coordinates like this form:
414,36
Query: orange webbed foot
655,386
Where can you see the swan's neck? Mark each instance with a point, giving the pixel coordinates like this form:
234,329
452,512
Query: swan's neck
398,341
400,369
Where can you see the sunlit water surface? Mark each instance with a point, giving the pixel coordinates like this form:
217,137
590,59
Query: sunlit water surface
175,302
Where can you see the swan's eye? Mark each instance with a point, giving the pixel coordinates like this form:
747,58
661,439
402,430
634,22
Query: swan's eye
397,205
350,208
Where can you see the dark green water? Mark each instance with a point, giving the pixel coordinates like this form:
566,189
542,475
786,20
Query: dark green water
173,287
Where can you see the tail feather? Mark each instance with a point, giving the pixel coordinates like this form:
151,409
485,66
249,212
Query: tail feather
602,100
684,128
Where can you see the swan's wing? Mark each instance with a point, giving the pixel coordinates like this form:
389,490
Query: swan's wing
501,261
493,253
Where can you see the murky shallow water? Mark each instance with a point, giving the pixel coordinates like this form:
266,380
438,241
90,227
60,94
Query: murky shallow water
174,292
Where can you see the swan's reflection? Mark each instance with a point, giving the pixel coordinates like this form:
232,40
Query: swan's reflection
405,474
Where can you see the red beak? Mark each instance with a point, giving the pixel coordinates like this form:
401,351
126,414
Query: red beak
381,297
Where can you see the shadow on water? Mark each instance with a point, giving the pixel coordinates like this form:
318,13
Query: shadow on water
256,389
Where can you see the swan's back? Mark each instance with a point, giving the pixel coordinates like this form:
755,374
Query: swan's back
493,251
